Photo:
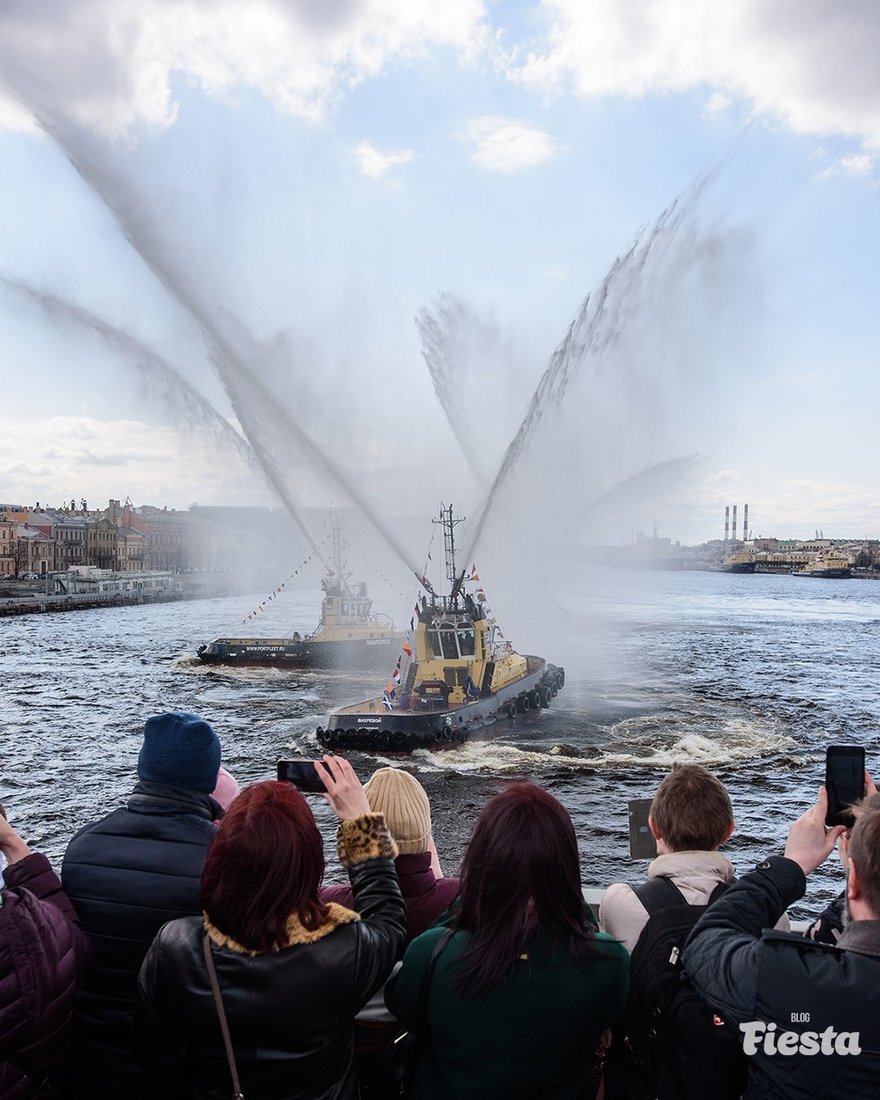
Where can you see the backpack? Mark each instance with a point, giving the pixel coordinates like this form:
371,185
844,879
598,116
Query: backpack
670,1045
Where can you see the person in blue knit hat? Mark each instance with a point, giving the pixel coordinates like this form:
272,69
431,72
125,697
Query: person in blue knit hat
127,874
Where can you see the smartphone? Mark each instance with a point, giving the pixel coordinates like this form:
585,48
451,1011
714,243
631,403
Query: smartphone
844,781
642,844
302,774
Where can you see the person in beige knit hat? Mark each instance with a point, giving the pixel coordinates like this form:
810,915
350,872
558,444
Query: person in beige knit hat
402,799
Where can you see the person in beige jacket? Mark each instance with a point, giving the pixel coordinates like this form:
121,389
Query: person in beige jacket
691,817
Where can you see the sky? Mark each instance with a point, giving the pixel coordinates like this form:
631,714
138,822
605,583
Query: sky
586,268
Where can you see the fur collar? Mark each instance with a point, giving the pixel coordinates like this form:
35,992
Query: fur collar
337,916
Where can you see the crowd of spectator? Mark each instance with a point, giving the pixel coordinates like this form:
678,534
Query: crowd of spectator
191,949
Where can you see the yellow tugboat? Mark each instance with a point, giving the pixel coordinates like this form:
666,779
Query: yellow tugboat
350,634
459,675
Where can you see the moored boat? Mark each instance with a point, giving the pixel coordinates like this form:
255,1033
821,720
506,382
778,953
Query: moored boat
350,634
458,676
826,565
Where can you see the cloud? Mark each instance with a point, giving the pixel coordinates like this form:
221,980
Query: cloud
373,163
811,65
121,458
507,145
858,165
112,65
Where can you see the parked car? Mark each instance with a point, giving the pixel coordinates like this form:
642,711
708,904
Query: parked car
30,576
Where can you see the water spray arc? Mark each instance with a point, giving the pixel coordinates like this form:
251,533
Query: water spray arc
595,330
150,362
228,362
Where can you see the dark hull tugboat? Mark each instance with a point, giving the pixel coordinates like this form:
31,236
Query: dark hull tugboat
350,634
459,677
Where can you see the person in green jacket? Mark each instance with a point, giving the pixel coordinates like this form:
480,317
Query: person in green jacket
522,991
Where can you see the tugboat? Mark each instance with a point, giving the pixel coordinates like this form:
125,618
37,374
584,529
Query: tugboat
458,676
350,634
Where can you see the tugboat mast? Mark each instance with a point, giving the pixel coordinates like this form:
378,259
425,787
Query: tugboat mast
450,522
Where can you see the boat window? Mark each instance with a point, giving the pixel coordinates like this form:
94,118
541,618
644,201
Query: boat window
448,642
466,642
434,639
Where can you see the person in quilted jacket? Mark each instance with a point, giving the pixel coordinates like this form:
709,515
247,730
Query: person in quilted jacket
43,952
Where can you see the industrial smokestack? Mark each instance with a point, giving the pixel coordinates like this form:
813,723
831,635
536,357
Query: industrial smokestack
733,536
726,522
745,522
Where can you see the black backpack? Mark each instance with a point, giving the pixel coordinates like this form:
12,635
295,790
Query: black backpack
670,1045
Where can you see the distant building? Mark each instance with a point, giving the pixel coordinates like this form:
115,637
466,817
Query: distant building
7,548
101,544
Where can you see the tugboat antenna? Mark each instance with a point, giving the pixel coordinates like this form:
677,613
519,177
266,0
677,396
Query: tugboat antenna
450,522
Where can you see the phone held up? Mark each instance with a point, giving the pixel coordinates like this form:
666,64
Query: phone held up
302,774
642,844
844,782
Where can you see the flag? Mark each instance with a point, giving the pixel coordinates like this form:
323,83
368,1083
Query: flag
389,705
407,649
474,574
412,624
395,676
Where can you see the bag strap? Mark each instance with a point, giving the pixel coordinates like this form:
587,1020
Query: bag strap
658,894
237,1094
439,947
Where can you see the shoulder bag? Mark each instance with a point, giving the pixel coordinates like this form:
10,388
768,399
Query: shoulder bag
237,1094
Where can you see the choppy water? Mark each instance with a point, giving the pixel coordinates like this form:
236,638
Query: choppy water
750,676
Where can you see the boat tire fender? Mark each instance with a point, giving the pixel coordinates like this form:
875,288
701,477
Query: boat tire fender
524,703
537,701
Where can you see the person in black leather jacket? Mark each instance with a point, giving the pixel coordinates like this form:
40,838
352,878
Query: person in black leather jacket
293,972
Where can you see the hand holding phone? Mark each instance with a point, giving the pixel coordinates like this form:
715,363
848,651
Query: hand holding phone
302,774
642,844
844,782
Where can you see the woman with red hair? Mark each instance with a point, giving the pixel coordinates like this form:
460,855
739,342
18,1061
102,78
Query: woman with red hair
519,995
292,972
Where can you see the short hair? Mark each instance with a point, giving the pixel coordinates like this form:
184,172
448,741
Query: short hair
692,810
521,870
864,852
266,862
868,804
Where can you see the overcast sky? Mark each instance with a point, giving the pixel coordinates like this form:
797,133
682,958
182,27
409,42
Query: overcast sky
220,224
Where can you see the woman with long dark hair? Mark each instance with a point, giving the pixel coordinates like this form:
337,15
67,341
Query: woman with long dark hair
517,999
292,972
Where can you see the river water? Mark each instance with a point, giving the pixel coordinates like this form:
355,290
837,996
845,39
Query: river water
751,676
